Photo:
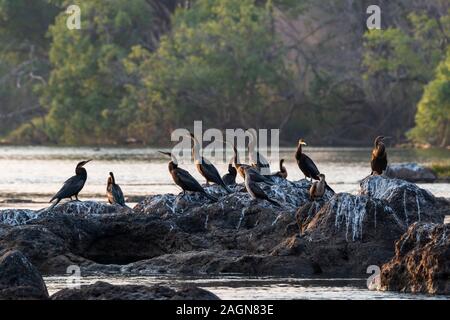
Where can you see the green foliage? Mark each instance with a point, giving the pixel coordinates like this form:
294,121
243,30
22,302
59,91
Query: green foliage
433,114
221,64
88,81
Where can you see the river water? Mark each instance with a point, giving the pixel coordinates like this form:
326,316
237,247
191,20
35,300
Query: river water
29,176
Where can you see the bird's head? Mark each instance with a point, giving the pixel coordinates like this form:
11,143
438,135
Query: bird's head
380,139
322,176
173,163
111,178
302,142
83,163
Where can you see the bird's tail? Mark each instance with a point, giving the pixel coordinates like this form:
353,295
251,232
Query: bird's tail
329,188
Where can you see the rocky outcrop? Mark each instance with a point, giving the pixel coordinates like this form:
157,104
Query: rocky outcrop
421,262
19,279
411,172
105,291
340,234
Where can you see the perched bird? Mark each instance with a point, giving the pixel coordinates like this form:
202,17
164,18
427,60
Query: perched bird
257,160
306,165
317,189
242,168
254,190
230,178
114,192
379,157
283,172
184,179
205,167
73,185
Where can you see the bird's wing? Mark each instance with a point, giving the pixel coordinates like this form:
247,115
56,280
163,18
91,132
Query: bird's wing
118,194
312,190
72,186
259,193
210,172
311,166
188,180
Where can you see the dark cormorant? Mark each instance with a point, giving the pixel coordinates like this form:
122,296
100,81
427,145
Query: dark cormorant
73,185
230,178
242,168
254,190
114,192
283,172
379,157
260,162
184,179
317,189
306,165
205,167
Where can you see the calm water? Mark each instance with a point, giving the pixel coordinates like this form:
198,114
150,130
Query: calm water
36,173
242,288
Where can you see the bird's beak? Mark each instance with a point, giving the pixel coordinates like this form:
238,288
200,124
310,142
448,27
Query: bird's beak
86,162
303,143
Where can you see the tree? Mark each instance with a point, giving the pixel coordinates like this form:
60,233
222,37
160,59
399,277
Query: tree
222,63
433,114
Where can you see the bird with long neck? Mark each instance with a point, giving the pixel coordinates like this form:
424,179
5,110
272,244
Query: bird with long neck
317,189
379,156
114,192
242,169
257,160
73,185
184,179
306,165
283,172
205,167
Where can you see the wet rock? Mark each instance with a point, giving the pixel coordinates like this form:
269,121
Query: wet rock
19,279
421,262
15,217
105,291
411,172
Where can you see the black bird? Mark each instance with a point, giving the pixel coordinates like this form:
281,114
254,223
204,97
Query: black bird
379,157
242,168
73,185
254,190
306,165
283,172
261,163
205,167
114,192
230,178
184,179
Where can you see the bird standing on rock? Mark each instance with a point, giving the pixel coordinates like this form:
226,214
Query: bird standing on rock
254,190
283,172
184,179
257,160
73,185
317,189
114,192
230,178
307,166
379,157
205,167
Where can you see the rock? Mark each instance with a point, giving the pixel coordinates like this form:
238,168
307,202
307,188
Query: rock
19,279
411,172
406,199
105,291
422,261
341,234
15,217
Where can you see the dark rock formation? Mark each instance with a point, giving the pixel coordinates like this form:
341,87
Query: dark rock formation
411,172
341,234
421,262
19,279
105,291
